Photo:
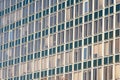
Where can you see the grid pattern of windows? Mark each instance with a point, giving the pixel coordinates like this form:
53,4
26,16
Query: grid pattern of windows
59,39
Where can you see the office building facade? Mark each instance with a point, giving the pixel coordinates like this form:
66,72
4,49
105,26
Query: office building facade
59,39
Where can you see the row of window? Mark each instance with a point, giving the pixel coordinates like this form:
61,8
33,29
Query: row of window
53,2
69,11
87,52
85,75
108,25
55,39
87,28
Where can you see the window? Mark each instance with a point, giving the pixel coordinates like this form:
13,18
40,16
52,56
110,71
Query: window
2,21
5,55
68,76
111,1
117,20
106,3
78,9
69,13
38,26
12,18
117,1
30,67
30,28
16,70
89,74
100,4
85,30
97,50
86,8
10,71
77,55
18,14
31,8
88,29
99,73
45,4
111,47
108,47
52,61
111,22
60,77
23,49
78,32
100,25
18,32
37,44
38,5
53,19
89,52
24,30
77,76
52,78
44,63
44,43
52,40
7,4
95,74
2,56
4,73
105,73
96,27
30,47
23,68
1,38
2,5
69,35
108,72
60,59
85,53
53,2
96,4
90,5
117,72
25,11
68,58
61,16
117,46
13,2
106,24
11,53
6,36
60,38
37,65
85,75
45,22
11,35
17,51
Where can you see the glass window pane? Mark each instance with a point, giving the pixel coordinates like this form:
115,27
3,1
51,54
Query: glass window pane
100,4
31,8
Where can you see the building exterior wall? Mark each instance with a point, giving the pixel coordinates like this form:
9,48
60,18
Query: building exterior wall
59,39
